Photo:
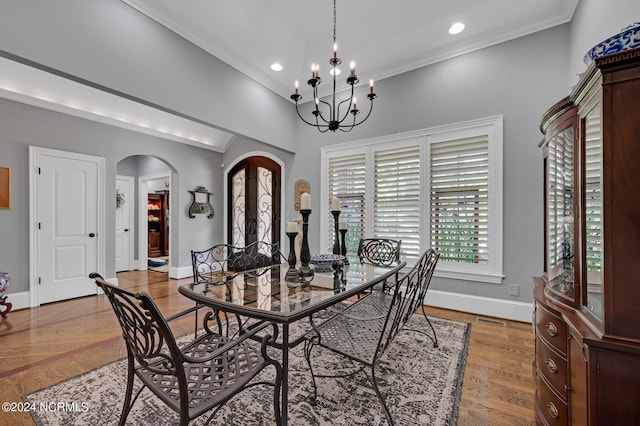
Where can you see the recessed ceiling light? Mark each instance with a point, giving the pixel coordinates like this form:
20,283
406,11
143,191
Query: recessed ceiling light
276,66
456,28
335,70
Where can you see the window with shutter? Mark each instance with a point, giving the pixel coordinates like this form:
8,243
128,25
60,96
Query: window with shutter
459,199
346,180
396,195
439,187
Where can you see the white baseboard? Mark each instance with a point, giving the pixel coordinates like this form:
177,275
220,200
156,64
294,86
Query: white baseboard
19,300
23,299
499,308
180,272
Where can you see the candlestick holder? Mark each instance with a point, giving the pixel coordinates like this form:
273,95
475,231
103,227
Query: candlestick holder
343,232
305,255
292,272
336,240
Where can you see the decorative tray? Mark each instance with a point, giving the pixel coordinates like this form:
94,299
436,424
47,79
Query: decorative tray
324,262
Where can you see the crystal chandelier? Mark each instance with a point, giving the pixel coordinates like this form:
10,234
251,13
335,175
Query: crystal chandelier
327,115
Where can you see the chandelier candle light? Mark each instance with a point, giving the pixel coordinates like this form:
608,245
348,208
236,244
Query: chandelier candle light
331,118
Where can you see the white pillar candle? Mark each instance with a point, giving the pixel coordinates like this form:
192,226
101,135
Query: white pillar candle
305,201
292,227
342,224
335,204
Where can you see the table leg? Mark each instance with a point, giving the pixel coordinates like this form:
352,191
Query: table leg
285,375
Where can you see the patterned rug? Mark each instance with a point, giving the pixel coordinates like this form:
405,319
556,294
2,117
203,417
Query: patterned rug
422,385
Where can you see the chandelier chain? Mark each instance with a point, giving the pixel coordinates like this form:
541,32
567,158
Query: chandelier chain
334,21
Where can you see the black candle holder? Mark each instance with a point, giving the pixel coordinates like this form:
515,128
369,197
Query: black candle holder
336,240
343,232
292,273
305,255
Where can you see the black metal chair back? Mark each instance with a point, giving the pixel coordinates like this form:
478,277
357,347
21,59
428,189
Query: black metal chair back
211,265
379,251
408,295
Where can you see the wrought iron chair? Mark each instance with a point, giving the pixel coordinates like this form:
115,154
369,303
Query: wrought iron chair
365,330
195,378
219,264
214,264
381,252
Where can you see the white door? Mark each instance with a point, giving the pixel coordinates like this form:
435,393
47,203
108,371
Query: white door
67,215
124,222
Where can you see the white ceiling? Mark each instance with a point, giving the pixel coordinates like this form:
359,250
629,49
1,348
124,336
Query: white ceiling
384,38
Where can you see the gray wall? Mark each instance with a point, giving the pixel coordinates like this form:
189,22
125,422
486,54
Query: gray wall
24,125
111,44
595,21
519,79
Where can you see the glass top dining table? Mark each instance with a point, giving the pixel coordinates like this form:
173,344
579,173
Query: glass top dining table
268,294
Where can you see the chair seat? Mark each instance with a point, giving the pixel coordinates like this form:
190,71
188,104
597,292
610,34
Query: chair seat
210,382
356,335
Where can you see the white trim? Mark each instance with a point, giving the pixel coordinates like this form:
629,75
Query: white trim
499,308
22,300
283,193
132,214
429,131
19,300
470,276
34,191
181,272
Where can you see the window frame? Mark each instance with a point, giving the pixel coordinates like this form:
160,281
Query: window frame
492,271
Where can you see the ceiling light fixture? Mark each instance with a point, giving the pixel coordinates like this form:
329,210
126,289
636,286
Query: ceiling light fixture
276,66
331,118
456,28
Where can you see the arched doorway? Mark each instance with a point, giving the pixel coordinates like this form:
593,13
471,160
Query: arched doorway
254,201
149,223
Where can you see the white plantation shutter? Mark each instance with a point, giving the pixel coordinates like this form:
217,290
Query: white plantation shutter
459,199
396,195
347,181
593,190
560,160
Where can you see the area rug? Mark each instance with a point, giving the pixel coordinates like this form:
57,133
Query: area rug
422,385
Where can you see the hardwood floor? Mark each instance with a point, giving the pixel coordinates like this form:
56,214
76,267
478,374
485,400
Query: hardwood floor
53,342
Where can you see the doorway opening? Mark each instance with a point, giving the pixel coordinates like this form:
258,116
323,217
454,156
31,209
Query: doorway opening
151,220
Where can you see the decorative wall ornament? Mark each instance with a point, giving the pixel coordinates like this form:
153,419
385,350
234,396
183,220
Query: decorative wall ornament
301,186
200,203
119,199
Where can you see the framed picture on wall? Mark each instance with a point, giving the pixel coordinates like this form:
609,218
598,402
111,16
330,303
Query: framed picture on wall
5,187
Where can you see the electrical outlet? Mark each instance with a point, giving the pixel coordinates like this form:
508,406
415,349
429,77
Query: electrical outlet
515,290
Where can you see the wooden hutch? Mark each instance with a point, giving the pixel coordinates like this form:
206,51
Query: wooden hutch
587,303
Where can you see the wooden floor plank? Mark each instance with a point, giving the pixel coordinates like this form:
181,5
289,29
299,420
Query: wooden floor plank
45,345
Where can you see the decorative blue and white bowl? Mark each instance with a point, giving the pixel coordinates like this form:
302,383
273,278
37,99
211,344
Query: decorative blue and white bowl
627,38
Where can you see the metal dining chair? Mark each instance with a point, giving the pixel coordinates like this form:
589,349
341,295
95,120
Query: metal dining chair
194,378
365,330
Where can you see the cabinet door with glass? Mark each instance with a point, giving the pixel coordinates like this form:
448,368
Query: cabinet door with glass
591,140
560,204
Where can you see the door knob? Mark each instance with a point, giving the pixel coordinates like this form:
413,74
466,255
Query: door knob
126,230
92,235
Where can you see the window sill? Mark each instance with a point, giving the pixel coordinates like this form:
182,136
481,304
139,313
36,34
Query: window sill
488,278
